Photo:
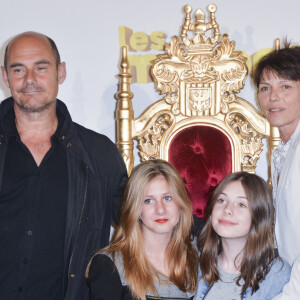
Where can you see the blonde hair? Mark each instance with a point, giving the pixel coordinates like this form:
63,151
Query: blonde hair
181,255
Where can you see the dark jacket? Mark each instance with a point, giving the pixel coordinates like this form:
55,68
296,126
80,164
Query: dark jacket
96,175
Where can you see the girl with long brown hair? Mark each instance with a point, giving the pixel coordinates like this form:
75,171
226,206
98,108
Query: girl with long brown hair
237,255
150,255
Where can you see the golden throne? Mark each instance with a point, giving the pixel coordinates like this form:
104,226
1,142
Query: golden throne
200,125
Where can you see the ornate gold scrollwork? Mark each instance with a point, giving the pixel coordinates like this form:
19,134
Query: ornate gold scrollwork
199,99
199,76
200,65
251,141
149,143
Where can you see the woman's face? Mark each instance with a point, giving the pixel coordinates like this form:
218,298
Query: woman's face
231,216
160,211
279,99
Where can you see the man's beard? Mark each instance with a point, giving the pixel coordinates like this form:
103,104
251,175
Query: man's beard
33,109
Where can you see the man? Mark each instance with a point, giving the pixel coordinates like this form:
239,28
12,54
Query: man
61,183
277,77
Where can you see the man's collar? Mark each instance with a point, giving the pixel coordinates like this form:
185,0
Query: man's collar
8,122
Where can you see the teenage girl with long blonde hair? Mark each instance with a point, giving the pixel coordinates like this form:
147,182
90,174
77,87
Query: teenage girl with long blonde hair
150,255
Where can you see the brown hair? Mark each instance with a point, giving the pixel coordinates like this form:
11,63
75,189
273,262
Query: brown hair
285,63
181,255
259,249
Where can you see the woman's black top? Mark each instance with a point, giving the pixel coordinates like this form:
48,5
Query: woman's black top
107,282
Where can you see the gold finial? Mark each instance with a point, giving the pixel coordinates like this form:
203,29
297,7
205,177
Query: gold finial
277,44
212,8
199,27
124,113
185,27
187,9
124,61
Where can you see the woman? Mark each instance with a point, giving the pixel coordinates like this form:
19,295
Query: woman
277,77
150,255
237,259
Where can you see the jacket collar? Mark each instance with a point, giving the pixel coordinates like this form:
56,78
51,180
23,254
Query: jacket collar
5,107
68,134
70,139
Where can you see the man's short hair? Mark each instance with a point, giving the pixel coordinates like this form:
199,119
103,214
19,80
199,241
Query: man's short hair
285,63
52,44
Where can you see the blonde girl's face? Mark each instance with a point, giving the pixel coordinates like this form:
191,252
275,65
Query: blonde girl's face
231,216
160,211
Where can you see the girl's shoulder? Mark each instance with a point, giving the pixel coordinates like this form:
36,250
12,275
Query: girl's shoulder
118,262
280,267
277,277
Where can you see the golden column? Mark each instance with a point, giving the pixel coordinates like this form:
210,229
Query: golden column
124,113
274,132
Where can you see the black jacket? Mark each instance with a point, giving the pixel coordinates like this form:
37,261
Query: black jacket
96,175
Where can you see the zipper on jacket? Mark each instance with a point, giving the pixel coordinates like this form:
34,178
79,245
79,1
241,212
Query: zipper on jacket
80,219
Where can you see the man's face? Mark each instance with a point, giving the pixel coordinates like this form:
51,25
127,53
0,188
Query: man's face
32,74
279,99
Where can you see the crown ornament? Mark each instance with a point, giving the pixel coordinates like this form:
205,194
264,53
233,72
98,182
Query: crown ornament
200,41
205,67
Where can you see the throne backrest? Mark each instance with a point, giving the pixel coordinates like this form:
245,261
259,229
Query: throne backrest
200,125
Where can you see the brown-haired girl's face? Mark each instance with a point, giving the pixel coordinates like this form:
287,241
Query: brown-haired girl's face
231,216
160,211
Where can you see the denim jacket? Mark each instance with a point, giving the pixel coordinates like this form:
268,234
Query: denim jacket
271,286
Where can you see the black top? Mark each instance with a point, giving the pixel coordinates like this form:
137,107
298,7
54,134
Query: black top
107,282
33,203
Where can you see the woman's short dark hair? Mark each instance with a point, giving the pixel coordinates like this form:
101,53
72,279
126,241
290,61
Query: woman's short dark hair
285,63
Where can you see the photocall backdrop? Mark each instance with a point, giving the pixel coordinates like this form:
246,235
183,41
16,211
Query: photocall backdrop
89,35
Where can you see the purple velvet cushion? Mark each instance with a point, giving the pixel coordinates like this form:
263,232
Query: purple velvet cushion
203,157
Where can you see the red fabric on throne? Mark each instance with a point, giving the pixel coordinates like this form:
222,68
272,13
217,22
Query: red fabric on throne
203,157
